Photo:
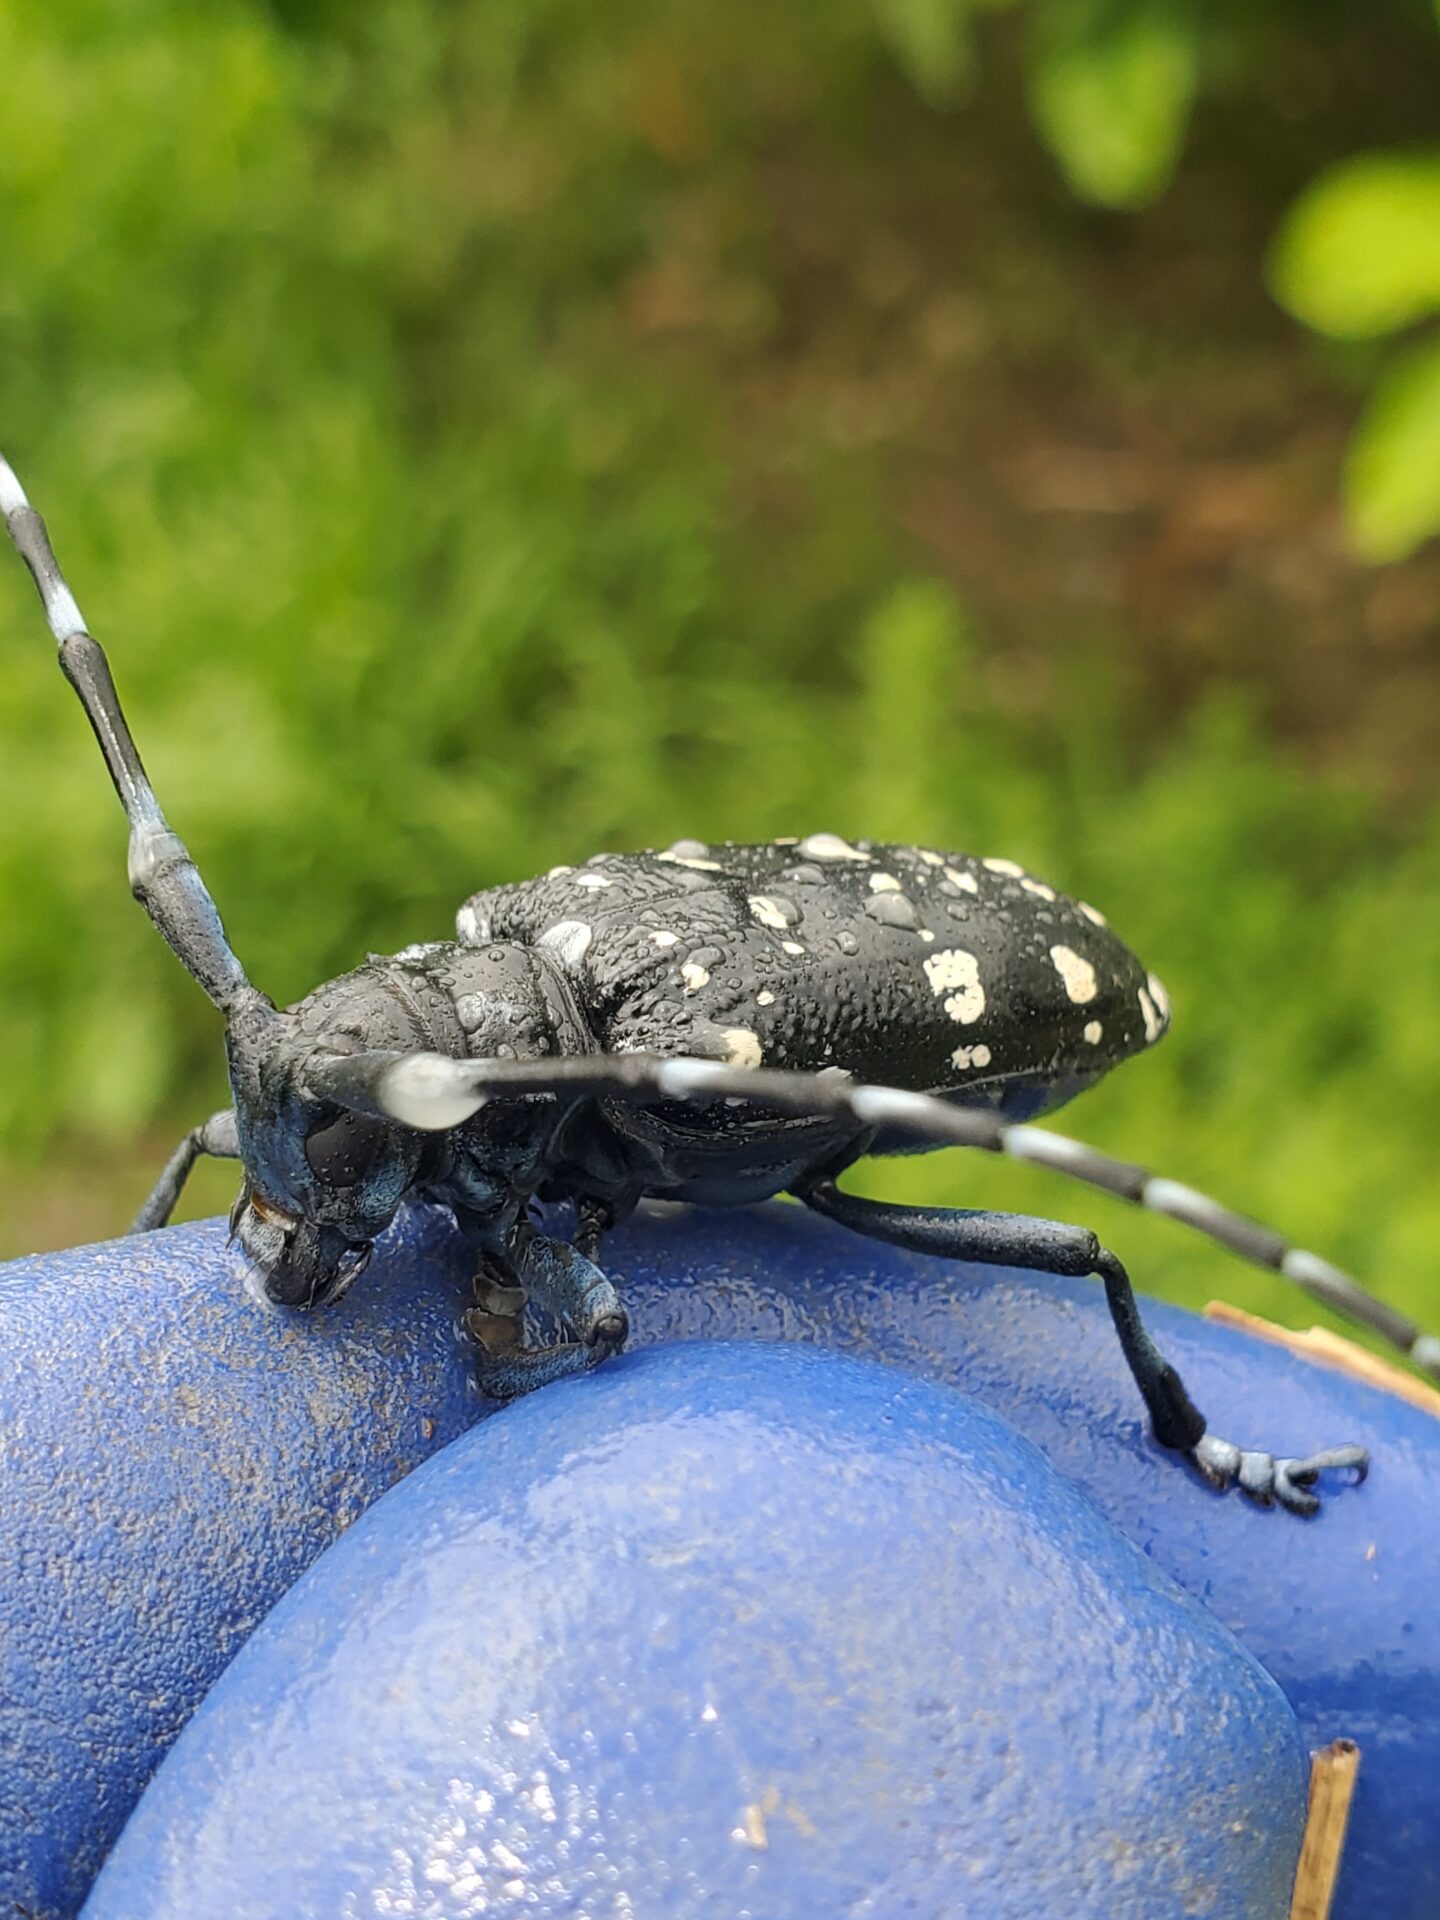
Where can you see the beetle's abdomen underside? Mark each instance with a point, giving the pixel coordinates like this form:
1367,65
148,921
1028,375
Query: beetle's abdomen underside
901,965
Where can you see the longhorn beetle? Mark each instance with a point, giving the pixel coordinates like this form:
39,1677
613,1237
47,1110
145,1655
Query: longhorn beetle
712,1024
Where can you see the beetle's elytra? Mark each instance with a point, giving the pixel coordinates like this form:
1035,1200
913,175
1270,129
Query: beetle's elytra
718,1024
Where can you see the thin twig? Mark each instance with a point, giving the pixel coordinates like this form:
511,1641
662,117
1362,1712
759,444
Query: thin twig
1332,1782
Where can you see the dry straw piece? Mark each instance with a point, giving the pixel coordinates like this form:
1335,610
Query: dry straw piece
1334,1351
1332,1783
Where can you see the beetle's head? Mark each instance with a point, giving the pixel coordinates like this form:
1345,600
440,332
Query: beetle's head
293,1261
321,1182
321,1185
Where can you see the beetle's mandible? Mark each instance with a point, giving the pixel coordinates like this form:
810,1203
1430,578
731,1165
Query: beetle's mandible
716,1024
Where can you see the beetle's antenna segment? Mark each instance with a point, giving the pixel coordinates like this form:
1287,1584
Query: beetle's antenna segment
430,1091
163,877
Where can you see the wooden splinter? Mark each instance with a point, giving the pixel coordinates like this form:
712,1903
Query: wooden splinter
1332,1783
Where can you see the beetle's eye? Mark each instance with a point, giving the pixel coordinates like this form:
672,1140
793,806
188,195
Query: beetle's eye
342,1151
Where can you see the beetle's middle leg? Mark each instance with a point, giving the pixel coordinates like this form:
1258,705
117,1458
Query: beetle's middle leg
1048,1246
565,1284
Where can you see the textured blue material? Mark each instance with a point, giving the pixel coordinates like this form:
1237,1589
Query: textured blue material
724,1630
1341,1609
172,1456
140,1391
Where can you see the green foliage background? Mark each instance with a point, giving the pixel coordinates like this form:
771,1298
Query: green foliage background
487,434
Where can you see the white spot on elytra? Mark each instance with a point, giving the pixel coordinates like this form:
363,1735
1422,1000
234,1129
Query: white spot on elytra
1160,997
592,881
470,928
555,872
967,1057
884,883
1078,974
1039,889
694,976
684,860
926,934
1007,867
568,940
829,846
688,849
1094,1032
1092,913
1154,1025
769,912
966,881
665,939
766,999
956,974
742,1049
931,859
792,946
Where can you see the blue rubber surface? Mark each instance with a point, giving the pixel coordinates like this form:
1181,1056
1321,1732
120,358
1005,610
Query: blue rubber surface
725,1630
1342,1609
173,1457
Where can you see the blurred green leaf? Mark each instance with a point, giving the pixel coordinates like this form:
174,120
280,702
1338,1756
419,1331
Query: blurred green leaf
911,657
931,40
483,435
1110,90
1359,254
1392,475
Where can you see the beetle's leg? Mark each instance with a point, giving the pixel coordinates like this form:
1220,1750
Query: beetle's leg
217,1137
593,1220
569,1287
1003,1239
430,1091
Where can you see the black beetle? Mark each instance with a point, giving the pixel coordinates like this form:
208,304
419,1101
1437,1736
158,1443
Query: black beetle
714,1024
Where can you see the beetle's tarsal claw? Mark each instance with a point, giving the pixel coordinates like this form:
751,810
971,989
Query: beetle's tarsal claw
609,1334
1347,1459
1269,1481
493,1333
498,1297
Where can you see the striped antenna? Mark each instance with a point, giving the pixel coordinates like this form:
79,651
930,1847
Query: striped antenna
430,1091
163,877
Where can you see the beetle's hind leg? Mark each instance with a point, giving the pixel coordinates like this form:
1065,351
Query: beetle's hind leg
1047,1246
567,1286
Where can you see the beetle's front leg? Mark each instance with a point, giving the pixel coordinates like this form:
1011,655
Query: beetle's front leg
559,1279
217,1136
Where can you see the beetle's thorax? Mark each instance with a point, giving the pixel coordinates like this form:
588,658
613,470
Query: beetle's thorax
501,1001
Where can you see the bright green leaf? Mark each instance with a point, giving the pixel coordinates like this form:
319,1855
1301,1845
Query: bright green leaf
1359,253
931,40
1392,473
1111,93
